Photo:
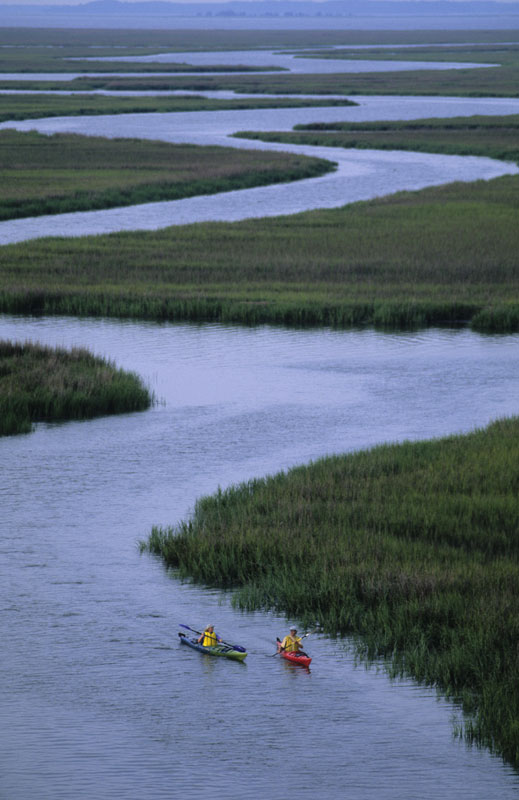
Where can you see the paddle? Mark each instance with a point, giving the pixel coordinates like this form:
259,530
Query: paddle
284,648
237,647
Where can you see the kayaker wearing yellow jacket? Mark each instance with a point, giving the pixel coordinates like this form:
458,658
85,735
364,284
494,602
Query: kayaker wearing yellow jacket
209,638
291,643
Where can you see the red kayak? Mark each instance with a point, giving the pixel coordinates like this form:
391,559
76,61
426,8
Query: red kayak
297,658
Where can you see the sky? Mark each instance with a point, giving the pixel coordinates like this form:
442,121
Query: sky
188,2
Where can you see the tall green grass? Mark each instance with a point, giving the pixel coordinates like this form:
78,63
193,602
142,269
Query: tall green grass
494,137
484,82
45,52
412,549
43,384
443,255
75,58
167,40
67,172
34,106
498,81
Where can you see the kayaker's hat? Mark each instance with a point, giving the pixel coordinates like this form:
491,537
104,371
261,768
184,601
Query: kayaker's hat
293,628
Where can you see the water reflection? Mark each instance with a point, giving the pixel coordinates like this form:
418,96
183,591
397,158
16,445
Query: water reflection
99,699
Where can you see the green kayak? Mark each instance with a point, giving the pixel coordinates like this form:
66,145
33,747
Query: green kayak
224,650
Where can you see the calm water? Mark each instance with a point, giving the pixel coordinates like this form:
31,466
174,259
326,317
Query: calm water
360,174
295,64
250,58
99,701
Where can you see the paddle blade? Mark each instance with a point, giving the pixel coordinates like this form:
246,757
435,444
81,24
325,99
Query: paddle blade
187,628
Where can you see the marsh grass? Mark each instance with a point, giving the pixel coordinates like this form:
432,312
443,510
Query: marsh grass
494,137
45,50
44,384
501,80
484,82
447,254
34,106
444,255
66,172
412,549
29,58
177,40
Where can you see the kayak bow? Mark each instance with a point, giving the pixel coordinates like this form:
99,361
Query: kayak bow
224,650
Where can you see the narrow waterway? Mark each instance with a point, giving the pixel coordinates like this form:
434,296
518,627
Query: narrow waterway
360,174
98,700
300,63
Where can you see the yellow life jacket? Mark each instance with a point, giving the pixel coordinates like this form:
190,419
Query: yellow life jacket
210,639
291,645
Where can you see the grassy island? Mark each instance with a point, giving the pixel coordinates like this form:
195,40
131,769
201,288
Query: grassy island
67,172
447,254
491,136
44,384
51,51
500,80
34,106
411,548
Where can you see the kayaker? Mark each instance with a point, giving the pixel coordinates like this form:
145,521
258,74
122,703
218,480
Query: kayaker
291,643
209,638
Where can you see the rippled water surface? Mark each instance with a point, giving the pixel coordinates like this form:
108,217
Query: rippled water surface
98,700
360,174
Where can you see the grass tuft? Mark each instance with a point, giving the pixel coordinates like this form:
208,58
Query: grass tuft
43,384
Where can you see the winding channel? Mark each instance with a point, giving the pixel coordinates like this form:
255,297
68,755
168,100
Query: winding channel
297,63
97,700
360,174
